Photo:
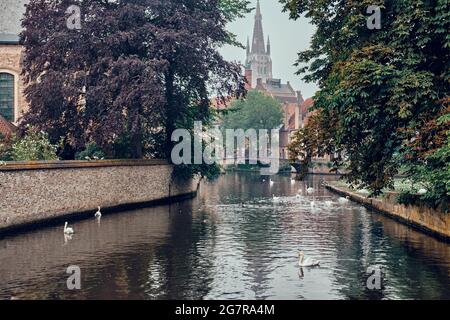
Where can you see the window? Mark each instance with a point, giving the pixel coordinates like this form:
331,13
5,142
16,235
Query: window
7,96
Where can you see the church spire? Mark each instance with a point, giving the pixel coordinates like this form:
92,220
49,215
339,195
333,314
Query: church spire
268,45
258,46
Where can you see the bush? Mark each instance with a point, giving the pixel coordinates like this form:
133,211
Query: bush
5,148
92,151
34,146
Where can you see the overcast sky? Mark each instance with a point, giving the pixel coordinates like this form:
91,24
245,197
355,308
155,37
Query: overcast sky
287,38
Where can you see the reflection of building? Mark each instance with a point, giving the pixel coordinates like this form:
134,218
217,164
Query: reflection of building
12,101
259,76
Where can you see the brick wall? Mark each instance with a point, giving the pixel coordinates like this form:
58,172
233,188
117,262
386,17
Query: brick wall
39,191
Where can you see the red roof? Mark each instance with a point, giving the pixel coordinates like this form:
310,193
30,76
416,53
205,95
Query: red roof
219,104
307,105
6,127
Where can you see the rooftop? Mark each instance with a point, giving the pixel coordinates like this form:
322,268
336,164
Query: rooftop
282,92
7,38
6,127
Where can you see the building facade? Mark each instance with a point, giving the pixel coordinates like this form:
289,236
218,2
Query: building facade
12,101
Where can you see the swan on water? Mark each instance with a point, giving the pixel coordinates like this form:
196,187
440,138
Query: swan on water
275,199
307,262
422,191
68,230
98,214
343,200
310,190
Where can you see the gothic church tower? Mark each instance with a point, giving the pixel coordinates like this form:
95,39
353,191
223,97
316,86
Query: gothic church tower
258,55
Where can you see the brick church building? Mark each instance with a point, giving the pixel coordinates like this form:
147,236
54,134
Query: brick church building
258,71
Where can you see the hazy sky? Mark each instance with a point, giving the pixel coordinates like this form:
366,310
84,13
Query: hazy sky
287,38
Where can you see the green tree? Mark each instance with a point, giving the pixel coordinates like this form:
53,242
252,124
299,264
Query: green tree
378,88
34,146
137,69
256,111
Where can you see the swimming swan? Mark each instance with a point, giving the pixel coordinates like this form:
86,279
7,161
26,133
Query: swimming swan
68,230
343,200
98,214
307,262
310,190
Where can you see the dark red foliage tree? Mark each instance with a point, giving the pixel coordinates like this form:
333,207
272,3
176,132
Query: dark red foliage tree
135,71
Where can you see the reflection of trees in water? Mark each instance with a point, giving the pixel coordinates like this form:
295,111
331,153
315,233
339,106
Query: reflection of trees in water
353,252
418,265
185,261
411,272
160,253
258,229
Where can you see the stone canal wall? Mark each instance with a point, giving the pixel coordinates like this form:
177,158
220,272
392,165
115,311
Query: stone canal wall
33,193
423,218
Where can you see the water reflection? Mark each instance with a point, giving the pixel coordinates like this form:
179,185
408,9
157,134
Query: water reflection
232,241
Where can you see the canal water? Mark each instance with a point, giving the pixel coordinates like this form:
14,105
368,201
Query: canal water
231,242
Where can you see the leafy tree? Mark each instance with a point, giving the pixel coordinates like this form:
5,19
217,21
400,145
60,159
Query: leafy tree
378,88
137,69
34,146
256,111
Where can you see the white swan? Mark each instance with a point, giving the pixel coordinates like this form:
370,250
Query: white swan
422,191
275,199
98,214
68,230
310,190
307,262
343,200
